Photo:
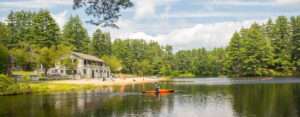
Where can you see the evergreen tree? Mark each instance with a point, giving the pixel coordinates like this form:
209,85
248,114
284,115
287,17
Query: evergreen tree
256,52
4,34
101,44
20,24
45,30
219,54
75,35
281,44
233,55
157,66
206,66
295,23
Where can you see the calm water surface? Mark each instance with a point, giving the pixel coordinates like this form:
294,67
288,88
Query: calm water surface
194,97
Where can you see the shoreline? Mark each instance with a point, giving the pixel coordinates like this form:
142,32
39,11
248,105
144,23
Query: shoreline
71,85
109,82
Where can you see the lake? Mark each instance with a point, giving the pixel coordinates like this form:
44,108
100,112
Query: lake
194,97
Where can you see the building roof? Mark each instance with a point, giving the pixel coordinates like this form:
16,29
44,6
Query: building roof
87,57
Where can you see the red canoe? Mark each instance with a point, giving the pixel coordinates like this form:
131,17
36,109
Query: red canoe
160,91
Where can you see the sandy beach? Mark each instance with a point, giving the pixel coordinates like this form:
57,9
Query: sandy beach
115,81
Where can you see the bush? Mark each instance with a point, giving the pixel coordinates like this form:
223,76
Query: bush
5,82
174,74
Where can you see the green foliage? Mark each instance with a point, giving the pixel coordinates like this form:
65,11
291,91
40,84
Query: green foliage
20,26
256,51
281,44
295,48
48,57
4,33
4,83
112,62
45,30
3,59
206,66
101,44
23,56
233,55
142,68
75,35
69,62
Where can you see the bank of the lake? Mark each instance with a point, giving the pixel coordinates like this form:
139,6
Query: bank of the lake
71,85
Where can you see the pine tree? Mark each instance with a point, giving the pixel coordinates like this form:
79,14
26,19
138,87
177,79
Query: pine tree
20,24
256,52
75,35
233,55
45,30
101,44
281,44
295,50
157,66
4,34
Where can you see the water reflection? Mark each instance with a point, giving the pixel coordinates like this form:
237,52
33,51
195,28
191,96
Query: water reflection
191,99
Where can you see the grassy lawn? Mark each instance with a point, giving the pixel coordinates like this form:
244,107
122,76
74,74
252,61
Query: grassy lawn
9,87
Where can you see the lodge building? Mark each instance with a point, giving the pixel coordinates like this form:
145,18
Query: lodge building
88,67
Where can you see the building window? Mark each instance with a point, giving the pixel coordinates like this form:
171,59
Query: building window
61,71
75,71
84,62
84,71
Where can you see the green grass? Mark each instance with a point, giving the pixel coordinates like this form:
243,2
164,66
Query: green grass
9,87
21,88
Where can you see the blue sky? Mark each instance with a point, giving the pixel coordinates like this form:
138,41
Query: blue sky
185,24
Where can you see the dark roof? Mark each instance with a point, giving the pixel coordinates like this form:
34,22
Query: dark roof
87,57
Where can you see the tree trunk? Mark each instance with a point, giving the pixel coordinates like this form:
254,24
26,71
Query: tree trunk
46,70
10,66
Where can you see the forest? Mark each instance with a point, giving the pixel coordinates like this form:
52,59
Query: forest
269,49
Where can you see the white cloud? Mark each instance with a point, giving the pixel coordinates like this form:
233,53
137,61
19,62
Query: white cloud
239,3
146,8
36,3
198,36
294,3
201,14
60,18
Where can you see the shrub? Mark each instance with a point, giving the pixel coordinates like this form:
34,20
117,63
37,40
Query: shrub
5,82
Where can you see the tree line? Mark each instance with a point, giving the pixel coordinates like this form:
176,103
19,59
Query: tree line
270,49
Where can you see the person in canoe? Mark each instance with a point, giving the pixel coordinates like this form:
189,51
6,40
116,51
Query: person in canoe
157,88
